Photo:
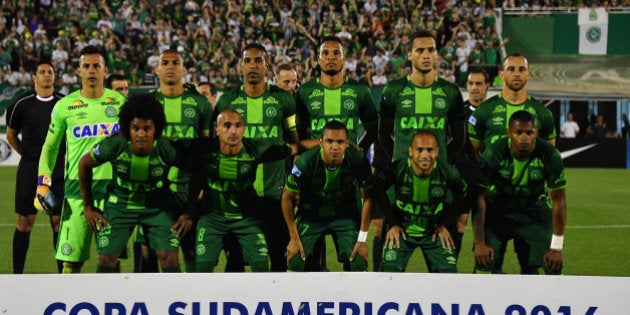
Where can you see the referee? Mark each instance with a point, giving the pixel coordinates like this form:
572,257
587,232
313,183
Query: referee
30,117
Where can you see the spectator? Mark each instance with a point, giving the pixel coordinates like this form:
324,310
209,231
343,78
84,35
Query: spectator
570,128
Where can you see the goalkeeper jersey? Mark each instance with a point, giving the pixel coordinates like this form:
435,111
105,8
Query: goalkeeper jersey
84,122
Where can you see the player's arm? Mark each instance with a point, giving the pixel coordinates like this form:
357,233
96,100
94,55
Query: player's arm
51,145
93,215
482,252
295,244
475,150
360,247
371,133
14,141
385,130
553,257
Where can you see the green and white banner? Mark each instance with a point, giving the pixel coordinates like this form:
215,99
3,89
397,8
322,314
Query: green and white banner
593,23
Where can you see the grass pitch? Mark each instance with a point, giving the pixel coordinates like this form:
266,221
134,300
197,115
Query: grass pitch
595,243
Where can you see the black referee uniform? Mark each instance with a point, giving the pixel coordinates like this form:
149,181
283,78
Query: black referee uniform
30,117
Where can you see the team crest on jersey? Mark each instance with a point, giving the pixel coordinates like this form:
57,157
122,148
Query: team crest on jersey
316,93
110,111
406,103
66,249
201,250
271,112
108,101
407,91
76,104
437,192
316,105
189,113
157,172
244,169
348,105
350,93
535,175
439,92
440,103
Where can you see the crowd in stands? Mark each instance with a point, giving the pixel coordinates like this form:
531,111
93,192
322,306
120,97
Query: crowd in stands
211,35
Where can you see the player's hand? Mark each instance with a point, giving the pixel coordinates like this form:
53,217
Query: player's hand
182,225
393,237
295,247
45,200
483,254
94,217
361,249
445,237
553,259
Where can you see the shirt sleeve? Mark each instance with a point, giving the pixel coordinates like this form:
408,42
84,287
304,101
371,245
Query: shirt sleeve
54,137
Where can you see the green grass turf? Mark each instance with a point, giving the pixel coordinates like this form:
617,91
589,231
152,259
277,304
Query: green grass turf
596,241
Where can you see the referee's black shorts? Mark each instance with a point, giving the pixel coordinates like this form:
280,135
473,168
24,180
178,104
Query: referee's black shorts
26,184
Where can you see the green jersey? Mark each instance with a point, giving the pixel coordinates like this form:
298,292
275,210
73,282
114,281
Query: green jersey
521,185
188,116
84,122
268,119
351,104
412,108
327,192
420,201
136,180
490,121
229,180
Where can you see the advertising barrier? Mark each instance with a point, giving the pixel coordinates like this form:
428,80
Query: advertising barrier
312,293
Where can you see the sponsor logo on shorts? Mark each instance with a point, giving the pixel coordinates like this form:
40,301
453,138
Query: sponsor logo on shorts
201,249
103,241
390,255
66,249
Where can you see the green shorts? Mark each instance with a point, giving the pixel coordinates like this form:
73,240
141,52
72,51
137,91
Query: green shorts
75,235
437,258
344,232
156,225
530,230
214,226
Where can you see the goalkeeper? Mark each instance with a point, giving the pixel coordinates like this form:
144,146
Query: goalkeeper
84,117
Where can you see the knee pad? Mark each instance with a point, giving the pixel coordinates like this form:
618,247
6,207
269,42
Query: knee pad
259,266
296,263
358,264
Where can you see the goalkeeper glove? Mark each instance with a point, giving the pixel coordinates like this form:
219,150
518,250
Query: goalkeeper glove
45,200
